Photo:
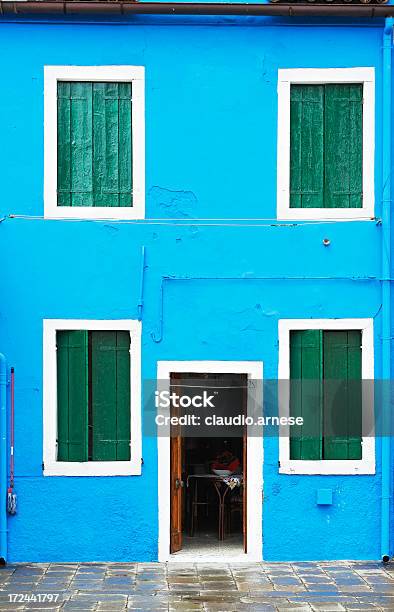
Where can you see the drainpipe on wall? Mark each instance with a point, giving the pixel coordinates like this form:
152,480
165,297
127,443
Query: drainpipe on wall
3,460
386,273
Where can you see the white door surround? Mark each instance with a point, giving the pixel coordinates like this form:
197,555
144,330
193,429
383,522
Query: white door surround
254,372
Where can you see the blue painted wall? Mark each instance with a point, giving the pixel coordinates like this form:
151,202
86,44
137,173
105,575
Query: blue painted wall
211,153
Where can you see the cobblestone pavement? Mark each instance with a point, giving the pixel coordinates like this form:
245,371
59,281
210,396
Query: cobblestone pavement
148,587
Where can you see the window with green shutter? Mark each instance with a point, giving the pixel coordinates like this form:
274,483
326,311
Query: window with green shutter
326,144
325,389
94,144
93,389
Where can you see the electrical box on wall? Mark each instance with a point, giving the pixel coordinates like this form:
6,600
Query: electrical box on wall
324,497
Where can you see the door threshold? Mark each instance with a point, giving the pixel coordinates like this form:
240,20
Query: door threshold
220,557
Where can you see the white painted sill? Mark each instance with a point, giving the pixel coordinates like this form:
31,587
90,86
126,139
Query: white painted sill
96,213
285,213
327,467
92,468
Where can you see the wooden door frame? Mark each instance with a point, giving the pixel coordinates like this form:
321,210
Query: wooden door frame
176,455
254,372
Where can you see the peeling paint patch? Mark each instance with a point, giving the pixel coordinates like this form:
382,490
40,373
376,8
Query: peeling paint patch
194,231
173,203
111,228
252,327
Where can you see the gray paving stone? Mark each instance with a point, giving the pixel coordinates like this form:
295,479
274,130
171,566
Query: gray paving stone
383,588
327,607
42,606
254,587
361,607
185,588
325,597
108,607
75,606
214,596
263,608
252,578
261,599
183,579
286,580
319,578
220,608
185,606
136,609
293,606
219,586
215,577
265,587
376,599
355,588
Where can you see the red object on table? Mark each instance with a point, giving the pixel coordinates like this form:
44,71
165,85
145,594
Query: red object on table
234,465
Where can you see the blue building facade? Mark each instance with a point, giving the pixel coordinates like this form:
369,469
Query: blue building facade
221,268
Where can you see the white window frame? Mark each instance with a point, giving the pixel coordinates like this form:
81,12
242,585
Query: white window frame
52,467
287,77
132,74
366,465
255,458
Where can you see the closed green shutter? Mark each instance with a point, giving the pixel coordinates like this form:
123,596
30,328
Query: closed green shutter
72,395
343,146
326,146
306,149
110,395
64,144
94,144
342,395
306,371
75,146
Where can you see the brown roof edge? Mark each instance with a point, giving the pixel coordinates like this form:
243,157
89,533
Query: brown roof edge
120,7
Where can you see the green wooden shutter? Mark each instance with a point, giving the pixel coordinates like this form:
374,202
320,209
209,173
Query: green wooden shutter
125,145
342,395
63,144
75,147
343,131
326,143
306,148
112,144
110,395
306,370
72,395
94,144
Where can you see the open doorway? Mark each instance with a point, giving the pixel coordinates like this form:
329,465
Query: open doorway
201,525
208,481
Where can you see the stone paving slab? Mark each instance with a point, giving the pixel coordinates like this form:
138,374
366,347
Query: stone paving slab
329,586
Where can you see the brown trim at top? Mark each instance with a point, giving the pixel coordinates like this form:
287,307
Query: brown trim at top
120,7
